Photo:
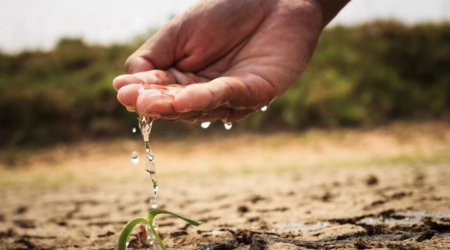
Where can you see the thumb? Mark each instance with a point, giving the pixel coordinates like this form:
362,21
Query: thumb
158,52
240,92
135,64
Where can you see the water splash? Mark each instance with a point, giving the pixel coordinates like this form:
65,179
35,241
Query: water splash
134,157
263,109
205,125
228,125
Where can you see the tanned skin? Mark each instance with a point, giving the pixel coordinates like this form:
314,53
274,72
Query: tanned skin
227,58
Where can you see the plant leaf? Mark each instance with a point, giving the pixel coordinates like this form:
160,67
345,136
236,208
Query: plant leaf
151,215
126,231
155,212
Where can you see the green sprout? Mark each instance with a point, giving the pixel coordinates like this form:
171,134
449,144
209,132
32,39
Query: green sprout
126,231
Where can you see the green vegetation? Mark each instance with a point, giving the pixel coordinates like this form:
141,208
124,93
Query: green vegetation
372,74
126,231
359,76
49,97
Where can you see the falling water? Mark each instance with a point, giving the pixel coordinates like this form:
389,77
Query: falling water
146,126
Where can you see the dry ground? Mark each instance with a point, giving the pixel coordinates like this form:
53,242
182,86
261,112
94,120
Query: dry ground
386,188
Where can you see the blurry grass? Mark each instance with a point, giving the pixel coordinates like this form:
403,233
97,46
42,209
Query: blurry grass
363,76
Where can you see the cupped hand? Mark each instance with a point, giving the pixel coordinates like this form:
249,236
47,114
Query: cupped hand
221,59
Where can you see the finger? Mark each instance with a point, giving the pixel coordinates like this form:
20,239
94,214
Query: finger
221,113
176,117
153,77
153,102
246,92
128,94
124,80
235,115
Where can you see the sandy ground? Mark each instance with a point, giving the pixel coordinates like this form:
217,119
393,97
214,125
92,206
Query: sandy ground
386,188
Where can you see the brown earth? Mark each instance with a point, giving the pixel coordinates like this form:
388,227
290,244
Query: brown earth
387,188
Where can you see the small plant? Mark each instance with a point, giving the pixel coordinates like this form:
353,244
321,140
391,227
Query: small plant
126,231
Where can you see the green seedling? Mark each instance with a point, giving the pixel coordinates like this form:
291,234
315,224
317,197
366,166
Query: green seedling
126,231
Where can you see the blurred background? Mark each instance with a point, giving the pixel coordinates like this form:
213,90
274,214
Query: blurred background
379,62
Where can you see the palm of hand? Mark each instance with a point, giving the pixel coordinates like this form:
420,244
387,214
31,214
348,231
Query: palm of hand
227,59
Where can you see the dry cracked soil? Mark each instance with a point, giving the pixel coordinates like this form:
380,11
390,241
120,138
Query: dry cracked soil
360,190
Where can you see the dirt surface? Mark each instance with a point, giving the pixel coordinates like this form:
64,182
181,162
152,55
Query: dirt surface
379,189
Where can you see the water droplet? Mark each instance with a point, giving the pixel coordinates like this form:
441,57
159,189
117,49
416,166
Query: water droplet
228,125
127,243
141,90
264,108
153,203
150,157
205,125
134,157
155,225
133,130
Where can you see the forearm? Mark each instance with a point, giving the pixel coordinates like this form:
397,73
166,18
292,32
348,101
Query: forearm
330,8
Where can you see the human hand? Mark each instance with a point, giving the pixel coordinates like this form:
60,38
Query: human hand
221,59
